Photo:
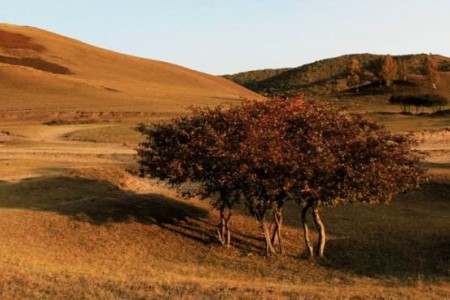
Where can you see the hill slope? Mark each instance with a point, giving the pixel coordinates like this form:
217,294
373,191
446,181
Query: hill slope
43,71
330,76
251,79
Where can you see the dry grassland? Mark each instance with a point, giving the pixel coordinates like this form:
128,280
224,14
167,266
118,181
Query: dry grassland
34,83
75,223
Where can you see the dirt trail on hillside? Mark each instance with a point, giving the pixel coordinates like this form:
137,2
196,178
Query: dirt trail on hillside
51,140
57,133
44,133
437,144
438,139
26,150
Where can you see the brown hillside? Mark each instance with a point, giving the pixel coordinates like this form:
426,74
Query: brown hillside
43,71
18,41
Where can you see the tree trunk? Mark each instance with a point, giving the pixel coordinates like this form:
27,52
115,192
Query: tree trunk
260,216
308,244
266,235
227,228
276,234
223,230
321,229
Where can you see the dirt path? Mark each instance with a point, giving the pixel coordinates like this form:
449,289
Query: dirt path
51,140
26,150
57,133
434,139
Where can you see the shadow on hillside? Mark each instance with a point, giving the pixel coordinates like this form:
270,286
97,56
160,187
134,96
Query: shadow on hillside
227,99
96,202
434,165
387,113
391,257
406,239
101,202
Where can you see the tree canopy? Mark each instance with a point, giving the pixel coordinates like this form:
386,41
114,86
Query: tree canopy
267,153
389,70
355,71
431,71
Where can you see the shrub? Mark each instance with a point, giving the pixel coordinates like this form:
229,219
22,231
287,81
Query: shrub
419,101
444,66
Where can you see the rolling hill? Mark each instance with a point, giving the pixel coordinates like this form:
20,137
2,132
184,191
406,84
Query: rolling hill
251,79
43,72
76,222
330,76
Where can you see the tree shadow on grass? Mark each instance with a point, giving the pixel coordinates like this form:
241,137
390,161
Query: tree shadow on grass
387,113
101,202
434,165
381,256
93,201
406,239
203,230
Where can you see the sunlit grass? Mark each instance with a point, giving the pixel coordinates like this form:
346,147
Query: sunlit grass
80,236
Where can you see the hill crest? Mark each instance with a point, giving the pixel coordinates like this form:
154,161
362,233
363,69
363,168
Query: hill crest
41,70
330,76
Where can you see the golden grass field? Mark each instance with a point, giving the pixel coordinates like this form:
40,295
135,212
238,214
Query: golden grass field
76,223
99,80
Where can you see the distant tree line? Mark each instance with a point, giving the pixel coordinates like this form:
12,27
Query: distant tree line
388,69
266,154
339,74
444,66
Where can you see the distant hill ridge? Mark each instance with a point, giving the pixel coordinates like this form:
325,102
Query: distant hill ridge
330,75
251,79
41,71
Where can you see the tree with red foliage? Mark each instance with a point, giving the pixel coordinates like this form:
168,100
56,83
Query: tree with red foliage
202,148
345,159
267,153
269,173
